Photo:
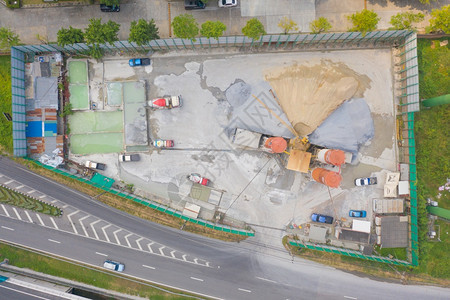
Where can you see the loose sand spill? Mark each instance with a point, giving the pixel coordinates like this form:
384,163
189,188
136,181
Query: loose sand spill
309,94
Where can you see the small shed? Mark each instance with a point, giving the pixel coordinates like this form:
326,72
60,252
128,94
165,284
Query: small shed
361,226
394,231
191,210
403,188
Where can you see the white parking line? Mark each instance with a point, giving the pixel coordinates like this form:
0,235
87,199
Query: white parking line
40,220
53,201
126,239
161,250
268,280
4,227
104,232
102,254
173,253
19,187
145,266
32,191
28,215
149,247
195,260
42,196
198,279
137,242
53,241
348,297
54,223
17,214
244,290
70,220
8,182
6,212
82,226
95,232
115,235
184,257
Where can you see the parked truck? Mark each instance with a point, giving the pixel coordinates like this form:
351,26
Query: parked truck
94,165
129,157
165,103
163,143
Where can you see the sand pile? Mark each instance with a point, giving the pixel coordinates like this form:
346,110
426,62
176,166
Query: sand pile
309,94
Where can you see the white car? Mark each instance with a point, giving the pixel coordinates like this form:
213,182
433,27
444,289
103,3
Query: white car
113,265
227,3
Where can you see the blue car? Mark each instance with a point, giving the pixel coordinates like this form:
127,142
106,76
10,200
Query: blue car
322,219
357,213
136,62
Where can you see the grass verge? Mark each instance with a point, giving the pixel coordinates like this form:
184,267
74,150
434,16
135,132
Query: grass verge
40,263
433,150
129,206
364,268
6,142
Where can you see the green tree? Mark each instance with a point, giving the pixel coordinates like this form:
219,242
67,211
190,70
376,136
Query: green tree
364,21
110,2
8,38
212,29
185,26
440,20
287,24
426,1
319,25
405,20
68,36
253,29
97,33
142,32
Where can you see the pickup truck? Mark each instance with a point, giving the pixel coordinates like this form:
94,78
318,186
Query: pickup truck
129,157
163,143
94,165
166,102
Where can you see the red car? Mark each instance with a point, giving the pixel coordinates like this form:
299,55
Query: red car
195,177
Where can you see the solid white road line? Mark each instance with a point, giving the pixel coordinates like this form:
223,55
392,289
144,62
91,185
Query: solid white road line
4,227
70,220
40,220
137,242
348,297
244,290
6,212
115,235
53,241
54,223
266,279
17,214
126,239
28,215
82,226
145,266
198,279
104,232
102,254
95,232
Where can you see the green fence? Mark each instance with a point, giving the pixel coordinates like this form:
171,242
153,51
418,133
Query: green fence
350,253
152,204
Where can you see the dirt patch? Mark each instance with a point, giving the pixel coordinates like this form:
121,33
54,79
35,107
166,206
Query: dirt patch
309,94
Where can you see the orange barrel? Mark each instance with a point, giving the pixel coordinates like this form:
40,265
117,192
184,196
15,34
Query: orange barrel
333,157
327,177
276,144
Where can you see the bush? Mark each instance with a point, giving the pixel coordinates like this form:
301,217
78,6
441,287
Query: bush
13,3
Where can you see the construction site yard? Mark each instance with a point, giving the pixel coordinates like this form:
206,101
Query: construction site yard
223,90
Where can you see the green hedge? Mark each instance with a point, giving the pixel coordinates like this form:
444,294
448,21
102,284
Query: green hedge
13,3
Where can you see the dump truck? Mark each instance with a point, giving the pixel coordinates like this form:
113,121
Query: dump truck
165,103
129,157
163,143
94,165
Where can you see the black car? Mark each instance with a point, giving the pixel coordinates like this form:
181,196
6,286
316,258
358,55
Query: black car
109,8
193,4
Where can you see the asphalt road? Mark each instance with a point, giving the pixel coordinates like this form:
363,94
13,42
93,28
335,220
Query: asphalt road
12,291
236,271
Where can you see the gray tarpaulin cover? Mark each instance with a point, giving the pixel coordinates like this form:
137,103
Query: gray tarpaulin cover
347,128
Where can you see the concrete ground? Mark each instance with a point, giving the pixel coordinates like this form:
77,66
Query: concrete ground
217,89
46,21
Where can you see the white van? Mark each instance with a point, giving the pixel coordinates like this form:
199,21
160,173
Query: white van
113,265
